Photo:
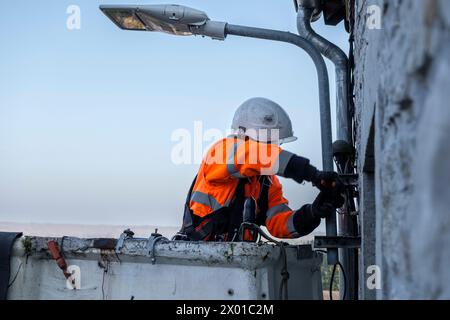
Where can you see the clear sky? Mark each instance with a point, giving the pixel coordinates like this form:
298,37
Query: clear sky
86,116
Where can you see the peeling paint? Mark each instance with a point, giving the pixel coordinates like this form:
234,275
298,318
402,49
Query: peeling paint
251,270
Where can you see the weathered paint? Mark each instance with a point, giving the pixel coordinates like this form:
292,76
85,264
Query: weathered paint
183,270
403,127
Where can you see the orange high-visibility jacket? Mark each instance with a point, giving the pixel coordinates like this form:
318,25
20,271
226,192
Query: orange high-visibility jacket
232,159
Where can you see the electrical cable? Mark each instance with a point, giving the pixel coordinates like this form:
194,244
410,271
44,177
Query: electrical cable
283,289
332,275
332,280
103,284
105,271
15,276
344,275
345,281
284,275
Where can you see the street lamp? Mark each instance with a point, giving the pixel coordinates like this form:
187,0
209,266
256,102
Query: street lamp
181,20
172,19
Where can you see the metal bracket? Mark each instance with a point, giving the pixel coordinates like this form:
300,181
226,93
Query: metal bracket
150,250
350,180
337,242
334,12
127,234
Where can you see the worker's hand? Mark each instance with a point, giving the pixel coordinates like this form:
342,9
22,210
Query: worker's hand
326,180
326,204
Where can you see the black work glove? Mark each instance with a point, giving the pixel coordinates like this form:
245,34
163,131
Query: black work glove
308,218
327,181
304,221
300,170
326,204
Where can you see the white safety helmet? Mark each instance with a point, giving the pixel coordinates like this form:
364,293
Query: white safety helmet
263,120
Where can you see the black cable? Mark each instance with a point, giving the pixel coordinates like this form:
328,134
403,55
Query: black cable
103,285
345,281
332,281
15,276
332,275
284,271
105,271
283,290
259,230
284,275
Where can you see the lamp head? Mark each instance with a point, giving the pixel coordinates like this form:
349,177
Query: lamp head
170,18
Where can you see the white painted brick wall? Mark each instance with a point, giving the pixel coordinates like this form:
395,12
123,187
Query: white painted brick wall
403,85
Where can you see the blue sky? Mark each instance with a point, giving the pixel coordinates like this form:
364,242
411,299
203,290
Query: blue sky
86,116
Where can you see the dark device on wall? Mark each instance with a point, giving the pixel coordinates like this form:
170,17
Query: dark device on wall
334,11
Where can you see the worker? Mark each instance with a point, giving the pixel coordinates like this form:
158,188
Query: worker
240,172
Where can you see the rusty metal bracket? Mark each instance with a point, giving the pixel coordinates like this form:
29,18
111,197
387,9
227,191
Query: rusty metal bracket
57,255
337,242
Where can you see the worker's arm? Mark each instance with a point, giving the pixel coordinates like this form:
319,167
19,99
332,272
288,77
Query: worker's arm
250,158
282,222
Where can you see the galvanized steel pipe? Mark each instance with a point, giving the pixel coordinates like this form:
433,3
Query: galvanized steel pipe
344,129
340,61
